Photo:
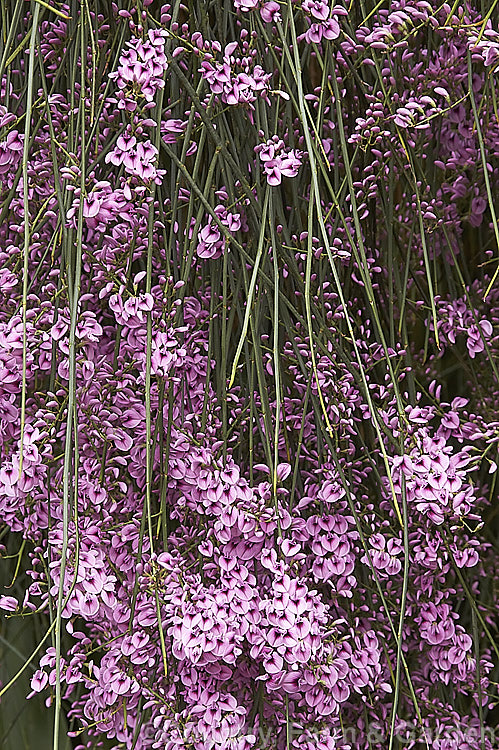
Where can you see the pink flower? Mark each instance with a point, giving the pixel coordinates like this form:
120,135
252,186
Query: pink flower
39,680
278,161
8,603
271,12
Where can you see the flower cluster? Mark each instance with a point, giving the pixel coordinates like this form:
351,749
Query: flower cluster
323,21
139,158
141,70
211,240
236,80
456,318
11,145
434,478
277,160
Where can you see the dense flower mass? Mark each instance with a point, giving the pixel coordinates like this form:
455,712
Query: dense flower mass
249,335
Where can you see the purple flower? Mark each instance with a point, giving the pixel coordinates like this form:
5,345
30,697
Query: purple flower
237,80
8,603
39,680
278,161
141,69
245,6
10,150
271,12
319,9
